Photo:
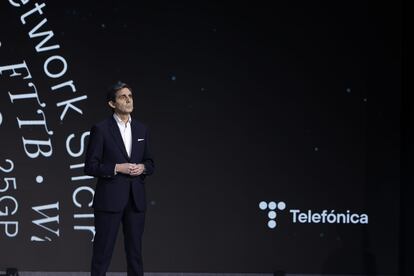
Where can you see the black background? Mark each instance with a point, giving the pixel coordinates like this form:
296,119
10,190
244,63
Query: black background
292,101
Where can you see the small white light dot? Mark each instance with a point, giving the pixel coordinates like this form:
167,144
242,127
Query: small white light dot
39,179
316,148
272,215
281,205
348,90
263,205
271,224
272,205
103,25
365,99
1,119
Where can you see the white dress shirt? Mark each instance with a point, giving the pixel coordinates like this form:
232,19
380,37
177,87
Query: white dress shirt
126,133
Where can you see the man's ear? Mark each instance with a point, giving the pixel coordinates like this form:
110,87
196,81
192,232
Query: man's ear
111,104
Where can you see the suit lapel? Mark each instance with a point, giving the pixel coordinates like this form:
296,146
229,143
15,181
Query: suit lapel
117,136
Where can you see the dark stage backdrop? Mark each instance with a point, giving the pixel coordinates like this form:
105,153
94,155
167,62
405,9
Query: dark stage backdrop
275,131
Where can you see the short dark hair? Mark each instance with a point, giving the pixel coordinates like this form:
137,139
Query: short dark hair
111,95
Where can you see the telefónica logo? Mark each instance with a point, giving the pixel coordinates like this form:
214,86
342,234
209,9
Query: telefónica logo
272,207
309,216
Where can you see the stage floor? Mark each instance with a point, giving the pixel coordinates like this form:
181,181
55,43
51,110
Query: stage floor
33,273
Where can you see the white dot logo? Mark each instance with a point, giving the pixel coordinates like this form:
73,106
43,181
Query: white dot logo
271,224
39,179
271,207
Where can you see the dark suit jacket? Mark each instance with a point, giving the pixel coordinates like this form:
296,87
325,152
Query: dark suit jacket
105,149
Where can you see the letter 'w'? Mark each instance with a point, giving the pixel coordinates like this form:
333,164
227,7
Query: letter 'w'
47,36
45,220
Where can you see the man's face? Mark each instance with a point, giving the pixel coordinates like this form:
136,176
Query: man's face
124,103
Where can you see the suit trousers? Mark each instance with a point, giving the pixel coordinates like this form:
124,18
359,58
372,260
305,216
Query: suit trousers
106,231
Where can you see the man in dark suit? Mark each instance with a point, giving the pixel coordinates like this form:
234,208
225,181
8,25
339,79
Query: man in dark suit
118,155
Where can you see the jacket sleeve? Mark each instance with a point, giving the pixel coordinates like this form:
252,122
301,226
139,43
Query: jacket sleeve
147,159
94,164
